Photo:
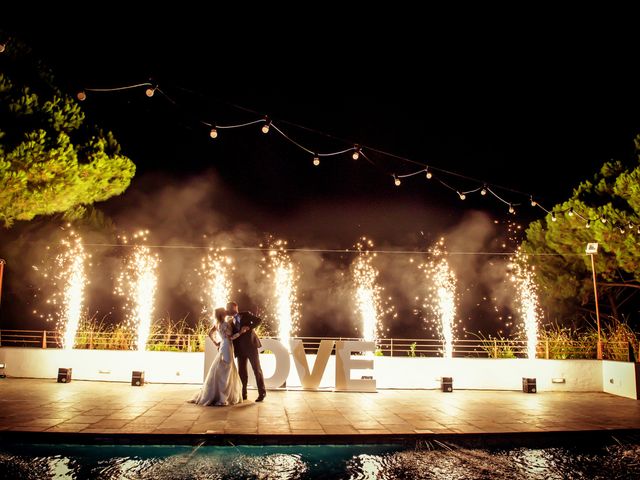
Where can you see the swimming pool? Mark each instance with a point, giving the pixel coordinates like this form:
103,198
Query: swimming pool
391,461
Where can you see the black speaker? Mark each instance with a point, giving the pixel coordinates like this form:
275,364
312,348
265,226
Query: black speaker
528,385
446,384
64,375
137,379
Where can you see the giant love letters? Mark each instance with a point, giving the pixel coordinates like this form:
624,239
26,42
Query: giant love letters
310,379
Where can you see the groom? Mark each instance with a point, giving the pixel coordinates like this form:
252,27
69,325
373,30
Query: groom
246,348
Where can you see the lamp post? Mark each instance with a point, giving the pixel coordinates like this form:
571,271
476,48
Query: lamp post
592,249
2,262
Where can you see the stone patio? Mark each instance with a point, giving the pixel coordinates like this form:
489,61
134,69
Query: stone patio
38,405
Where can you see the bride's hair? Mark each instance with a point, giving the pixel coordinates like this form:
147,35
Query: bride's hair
220,313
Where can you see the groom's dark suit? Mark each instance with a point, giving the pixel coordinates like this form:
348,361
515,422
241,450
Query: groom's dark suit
246,348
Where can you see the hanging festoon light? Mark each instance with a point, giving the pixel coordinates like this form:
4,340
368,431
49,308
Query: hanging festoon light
429,175
483,192
150,91
2,47
396,180
356,152
511,209
316,160
267,124
570,212
81,95
533,202
213,133
461,195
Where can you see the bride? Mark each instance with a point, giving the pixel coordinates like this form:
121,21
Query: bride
222,385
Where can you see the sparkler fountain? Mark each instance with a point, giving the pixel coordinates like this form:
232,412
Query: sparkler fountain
138,282
442,292
215,271
70,276
527,301
284,276
367,292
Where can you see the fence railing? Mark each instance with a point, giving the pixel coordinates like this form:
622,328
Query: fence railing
393,347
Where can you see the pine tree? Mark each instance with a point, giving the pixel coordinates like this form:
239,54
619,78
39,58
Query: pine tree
50,161
605,210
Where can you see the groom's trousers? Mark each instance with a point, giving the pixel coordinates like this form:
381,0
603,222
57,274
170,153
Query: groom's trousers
254,360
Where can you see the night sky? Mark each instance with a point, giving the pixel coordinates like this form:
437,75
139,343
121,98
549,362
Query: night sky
524,115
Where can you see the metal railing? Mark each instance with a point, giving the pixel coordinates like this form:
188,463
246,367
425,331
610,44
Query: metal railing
393,347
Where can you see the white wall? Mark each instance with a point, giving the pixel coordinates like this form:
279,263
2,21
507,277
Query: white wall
106,365
389,372
619,378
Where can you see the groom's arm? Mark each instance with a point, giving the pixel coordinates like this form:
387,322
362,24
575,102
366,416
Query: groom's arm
250,320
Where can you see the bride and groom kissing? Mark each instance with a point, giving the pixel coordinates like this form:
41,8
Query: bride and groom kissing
225,384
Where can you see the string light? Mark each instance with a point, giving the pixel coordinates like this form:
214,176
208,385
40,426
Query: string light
588,224
356,152
267,124
2,47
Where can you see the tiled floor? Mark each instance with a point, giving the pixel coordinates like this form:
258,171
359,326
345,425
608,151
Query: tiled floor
103,407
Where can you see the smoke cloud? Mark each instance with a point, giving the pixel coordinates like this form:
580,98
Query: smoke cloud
186,217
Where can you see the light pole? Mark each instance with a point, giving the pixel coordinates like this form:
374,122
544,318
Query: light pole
2,262
592,249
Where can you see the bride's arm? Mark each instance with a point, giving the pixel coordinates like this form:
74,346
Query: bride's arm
236,335
211,334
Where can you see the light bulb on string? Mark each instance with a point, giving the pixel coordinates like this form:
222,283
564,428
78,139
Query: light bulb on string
533,202
267,124
2,47
356,152
603,220
396,180
511,209
483,192
588,224
150,91
622,230
316,160
213,133
570,212
81,95
429,174
461,195
553,217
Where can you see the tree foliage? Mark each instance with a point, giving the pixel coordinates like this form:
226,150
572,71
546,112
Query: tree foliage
606,210
50,161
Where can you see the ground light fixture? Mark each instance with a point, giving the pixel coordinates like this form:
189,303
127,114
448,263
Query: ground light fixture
137,378
64,375
446,384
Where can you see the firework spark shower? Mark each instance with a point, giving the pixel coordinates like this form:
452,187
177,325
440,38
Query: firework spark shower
367,292
137,283
284,276
526,301
215,272
442,295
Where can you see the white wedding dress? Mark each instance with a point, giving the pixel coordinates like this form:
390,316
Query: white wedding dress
222,385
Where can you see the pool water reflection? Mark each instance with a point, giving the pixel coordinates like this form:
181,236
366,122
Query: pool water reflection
421,460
